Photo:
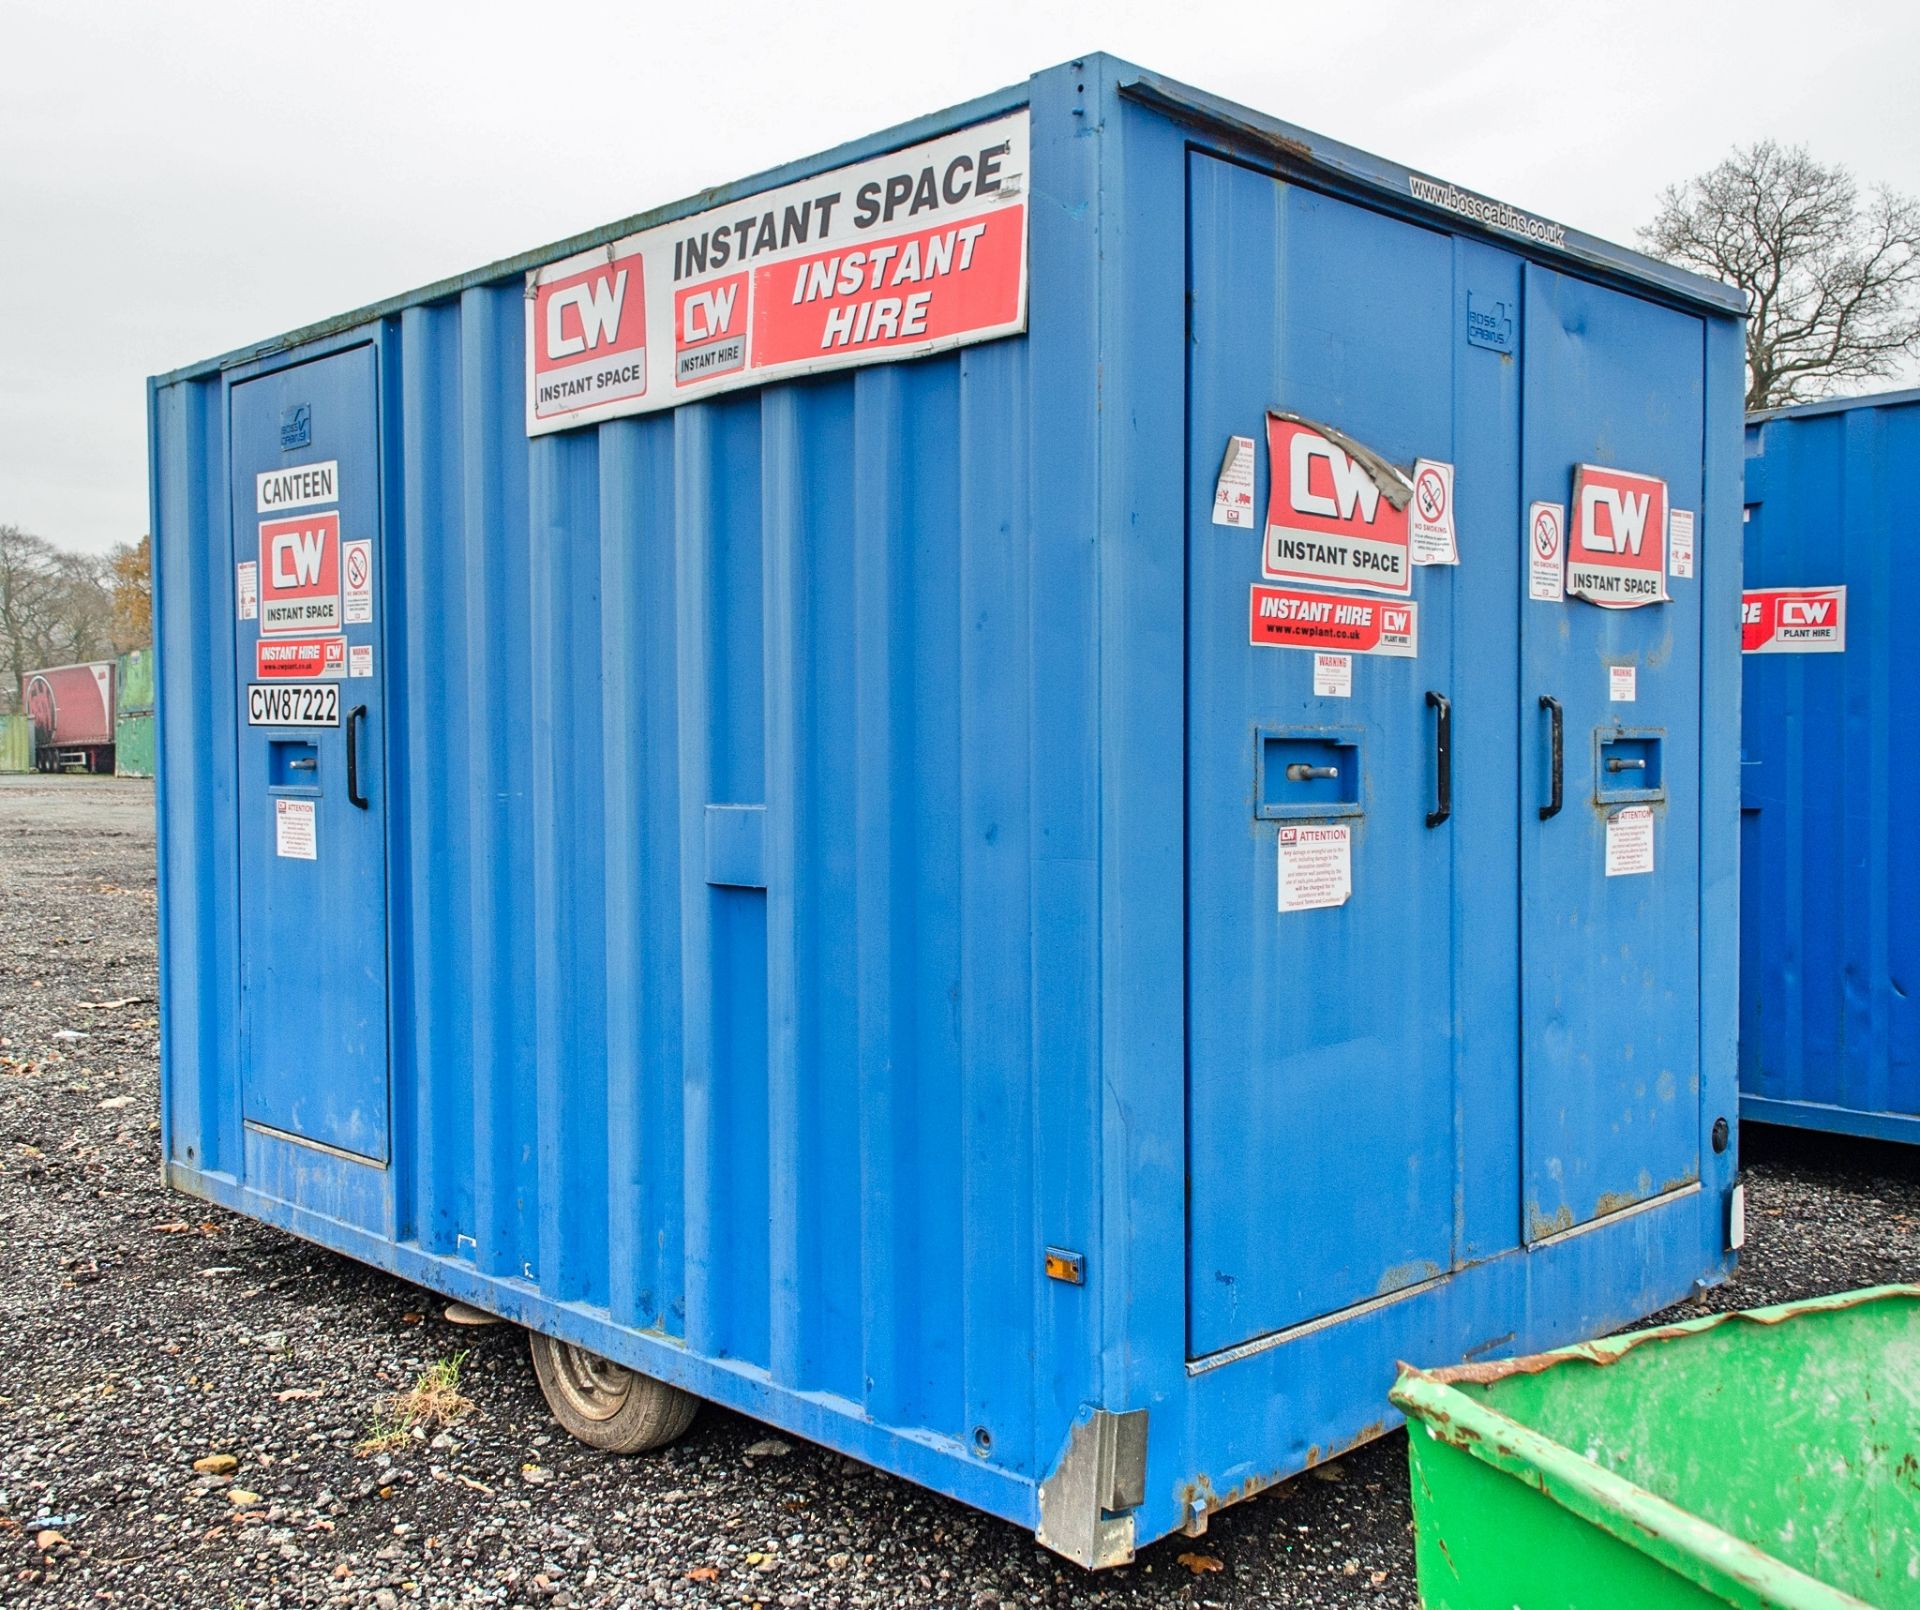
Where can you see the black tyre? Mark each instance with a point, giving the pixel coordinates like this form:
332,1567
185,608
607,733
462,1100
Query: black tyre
607,1404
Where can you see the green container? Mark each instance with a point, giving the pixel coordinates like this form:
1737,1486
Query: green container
1770,1458
133,683
133,744
16,744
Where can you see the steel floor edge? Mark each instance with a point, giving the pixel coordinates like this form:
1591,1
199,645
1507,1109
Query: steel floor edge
1859,1122
1616,1291
931,1461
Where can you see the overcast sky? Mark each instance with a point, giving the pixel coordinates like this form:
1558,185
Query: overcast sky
179,179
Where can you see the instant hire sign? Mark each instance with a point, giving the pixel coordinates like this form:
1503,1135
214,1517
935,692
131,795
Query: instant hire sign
901,255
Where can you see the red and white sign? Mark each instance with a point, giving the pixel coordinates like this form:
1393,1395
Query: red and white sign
1617,549
300,574
914,252
1793,620
587,337
710,330
1284,618
308,658
1329,517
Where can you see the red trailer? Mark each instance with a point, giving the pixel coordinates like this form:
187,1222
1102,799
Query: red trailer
71,708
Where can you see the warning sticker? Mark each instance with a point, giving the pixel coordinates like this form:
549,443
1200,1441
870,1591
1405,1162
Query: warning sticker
1793,620
1233,492
246,590
1333,676
300,574
293,829
1316,866
1431,529
305,658
1615,557
1546,551
1284,618
1336,513
356,559
360,660
1630,841
1680,543
1621,682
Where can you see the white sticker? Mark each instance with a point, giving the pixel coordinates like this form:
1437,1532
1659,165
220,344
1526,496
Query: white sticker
1621,680
246,588
356,560
1546,552
1630,841
293,832
1333,676
1316,865
359,659
1680,542
296,487
1233,492
1430,522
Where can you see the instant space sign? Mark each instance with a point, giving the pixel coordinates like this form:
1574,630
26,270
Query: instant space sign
1793,620
1336,513
901,255
1617,549
300,574
1284,618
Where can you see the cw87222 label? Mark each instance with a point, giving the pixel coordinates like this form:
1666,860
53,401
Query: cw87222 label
293,704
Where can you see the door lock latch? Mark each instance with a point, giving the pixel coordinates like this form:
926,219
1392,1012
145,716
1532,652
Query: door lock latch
1301,772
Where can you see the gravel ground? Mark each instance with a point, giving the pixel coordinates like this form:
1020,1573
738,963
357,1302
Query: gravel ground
144,1332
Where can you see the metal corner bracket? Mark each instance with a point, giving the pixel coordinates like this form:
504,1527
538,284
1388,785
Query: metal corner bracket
1086,1504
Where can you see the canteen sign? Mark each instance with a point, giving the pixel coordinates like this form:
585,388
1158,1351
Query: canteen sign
915,252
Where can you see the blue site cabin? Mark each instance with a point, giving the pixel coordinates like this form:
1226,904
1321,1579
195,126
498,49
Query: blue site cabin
1830,867
857,897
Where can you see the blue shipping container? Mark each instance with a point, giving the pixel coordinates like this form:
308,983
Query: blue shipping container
847,895
1830,866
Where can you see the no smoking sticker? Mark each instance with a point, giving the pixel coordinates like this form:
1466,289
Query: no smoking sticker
357,558
1546,552
1430,524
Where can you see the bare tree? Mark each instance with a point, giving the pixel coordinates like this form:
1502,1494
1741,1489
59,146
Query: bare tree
1830,275
55,608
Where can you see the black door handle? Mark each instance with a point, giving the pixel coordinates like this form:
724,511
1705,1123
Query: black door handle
1558,748
354,796
1442,756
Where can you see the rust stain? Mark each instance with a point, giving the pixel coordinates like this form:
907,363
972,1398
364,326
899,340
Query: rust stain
1200,1490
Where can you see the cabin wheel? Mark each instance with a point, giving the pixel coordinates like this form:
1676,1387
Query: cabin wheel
606,1404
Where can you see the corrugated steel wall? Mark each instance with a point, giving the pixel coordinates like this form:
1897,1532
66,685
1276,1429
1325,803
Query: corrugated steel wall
1830,954
133,730
794,1128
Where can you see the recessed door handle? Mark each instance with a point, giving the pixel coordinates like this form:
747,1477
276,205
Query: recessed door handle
1301,772
354,718
1558,753
1617,764
1442,757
